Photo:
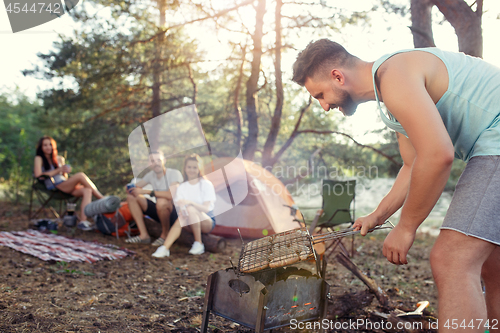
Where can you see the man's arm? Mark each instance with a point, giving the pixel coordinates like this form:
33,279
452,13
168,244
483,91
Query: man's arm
402,86
396,196
176,178
141,183
170,194
159,194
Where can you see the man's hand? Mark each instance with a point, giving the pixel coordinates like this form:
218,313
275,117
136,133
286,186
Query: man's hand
397,244
365,223
135,191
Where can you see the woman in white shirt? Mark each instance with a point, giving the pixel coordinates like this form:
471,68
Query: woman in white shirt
194,202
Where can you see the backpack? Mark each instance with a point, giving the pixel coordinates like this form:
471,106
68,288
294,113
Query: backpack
108,225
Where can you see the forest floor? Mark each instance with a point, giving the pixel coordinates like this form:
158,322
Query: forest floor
145,294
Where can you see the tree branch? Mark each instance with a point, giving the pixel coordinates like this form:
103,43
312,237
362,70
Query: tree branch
221,13
479,8
390,158
289,142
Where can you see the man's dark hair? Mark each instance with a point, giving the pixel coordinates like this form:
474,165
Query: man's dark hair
316,55
155,152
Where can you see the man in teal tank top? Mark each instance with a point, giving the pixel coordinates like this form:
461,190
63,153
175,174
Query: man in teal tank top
442,105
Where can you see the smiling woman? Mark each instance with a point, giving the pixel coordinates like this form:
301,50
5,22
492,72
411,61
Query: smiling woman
52,167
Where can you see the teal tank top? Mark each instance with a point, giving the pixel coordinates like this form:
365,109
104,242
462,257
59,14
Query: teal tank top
470,108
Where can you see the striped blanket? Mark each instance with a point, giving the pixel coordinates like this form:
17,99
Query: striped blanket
60,248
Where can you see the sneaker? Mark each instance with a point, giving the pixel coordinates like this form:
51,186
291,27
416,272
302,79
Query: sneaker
138,239
158,242
161,252
197,248
85,226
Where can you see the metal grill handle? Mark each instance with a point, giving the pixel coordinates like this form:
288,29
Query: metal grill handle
347,232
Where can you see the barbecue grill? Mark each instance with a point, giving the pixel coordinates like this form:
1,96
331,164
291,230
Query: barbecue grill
267,299
264,292
287,248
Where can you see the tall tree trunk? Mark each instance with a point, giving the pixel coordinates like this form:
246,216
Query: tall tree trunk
236,102
467,24
155,105
153,138
250,146
193,83
421,23
267,160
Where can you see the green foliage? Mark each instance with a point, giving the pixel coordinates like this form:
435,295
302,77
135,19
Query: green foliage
112,72
457,168
61,267
19,131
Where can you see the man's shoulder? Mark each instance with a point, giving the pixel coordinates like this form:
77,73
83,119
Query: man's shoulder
412,59
174,173
403,65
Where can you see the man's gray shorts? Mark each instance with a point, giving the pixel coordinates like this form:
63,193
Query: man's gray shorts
475,207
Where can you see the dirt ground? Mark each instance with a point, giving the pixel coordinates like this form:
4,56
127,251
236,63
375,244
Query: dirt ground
145,294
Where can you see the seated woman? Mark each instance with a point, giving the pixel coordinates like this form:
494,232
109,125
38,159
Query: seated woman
194,200
51,165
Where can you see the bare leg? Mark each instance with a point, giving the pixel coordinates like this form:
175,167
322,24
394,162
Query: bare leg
137,205
194,216
86,195
173,234
199,222
456,262
491,277
79,178
163,209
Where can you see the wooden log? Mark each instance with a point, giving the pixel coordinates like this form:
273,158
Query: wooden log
348,303
154,228
370,283
212,243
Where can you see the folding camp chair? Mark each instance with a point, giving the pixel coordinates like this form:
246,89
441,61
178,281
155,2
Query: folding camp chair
336,209
45,197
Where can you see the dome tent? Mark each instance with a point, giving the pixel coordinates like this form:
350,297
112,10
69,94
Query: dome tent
258,201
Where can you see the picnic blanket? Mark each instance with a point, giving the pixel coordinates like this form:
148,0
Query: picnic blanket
60,248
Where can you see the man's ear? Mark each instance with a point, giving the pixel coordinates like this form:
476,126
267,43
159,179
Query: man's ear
337,76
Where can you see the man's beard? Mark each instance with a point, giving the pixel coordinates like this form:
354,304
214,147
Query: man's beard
158,169
346,103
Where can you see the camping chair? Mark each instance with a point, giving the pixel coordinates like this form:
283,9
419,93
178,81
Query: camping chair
336,210
45,196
